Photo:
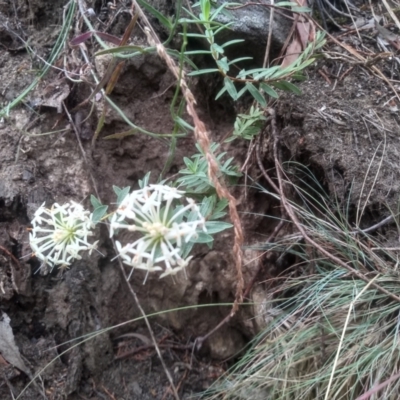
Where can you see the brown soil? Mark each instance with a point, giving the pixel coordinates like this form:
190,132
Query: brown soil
345,132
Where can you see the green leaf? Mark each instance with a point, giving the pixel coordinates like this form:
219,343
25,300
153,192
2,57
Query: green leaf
186,249
222,27
121,193
163,20
266,73
286,4
196,52
233,42
269,90
256,94
230,139
195,35
143,182
217,48
203,238
217,11
298,76
221,92
205,6
241,92
291,87
287,86
223,64
183,123
99,213
95,201
305,64
221,205
207,206
213,227
236,60
230,87
203,71
244,73
301,9
120,49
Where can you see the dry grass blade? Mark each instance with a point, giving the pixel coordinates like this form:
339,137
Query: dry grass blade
204,141
351,307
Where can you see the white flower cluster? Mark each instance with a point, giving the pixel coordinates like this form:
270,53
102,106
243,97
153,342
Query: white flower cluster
60,233
162,228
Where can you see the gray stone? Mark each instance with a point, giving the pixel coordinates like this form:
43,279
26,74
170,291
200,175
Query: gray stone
250,23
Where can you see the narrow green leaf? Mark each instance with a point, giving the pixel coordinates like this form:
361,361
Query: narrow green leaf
305,64
286,4
99,213
205,8
298,76
291,87
287,86
195,52
232,42
241,92
221,92
143,182
95,201
217,48
301,9
230,87
163,20
222,27
218,214
203,71
207,205
203,238
236,60
117,190
121,193
256,94
223,64
266,73
221,205
120,49
213,227
183,123
217,11
269,90
230,139
195,35
186,249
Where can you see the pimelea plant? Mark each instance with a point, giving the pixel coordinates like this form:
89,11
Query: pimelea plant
163,227
60,233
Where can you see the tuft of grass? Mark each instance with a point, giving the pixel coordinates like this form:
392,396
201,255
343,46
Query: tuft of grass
327,335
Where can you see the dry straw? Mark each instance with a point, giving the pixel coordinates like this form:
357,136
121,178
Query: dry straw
202,137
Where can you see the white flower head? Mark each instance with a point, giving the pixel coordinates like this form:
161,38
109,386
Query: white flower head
162,226
60,233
